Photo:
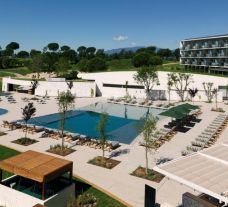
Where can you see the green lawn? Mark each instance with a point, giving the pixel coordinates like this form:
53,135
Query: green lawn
21,70
120,65
81,186
179,68
4,73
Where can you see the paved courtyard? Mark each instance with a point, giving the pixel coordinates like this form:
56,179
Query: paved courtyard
117,181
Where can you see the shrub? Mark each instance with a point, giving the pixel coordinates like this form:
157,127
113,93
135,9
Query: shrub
96,64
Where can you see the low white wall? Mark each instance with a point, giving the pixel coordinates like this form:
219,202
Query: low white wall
80,89
122,77
13,198
52,88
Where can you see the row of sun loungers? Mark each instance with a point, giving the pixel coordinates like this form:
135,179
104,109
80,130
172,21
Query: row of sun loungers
161,137
17,125
209,136
130,101
73,139
11,99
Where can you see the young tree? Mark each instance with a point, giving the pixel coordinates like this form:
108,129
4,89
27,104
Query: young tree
102,132
149,131
169,88
148,77
208,88
126,89
34,84
65,103
192,92
180,81
27,112
227,93
215,93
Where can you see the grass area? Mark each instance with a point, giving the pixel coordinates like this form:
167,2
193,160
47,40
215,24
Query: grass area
5,73
20,70
179,68
5,153
81,186
120,65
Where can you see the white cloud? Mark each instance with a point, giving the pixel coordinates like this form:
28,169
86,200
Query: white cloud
133,43
120,38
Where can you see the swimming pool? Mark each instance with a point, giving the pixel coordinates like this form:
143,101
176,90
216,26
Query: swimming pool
124,122
3,111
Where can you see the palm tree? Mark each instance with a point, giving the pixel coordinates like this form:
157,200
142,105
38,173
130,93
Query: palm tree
192,92
27,112
65,103
149,131
34,84
101,129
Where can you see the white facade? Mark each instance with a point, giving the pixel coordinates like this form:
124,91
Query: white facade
206,52
159,91
13,198
52,88
112,84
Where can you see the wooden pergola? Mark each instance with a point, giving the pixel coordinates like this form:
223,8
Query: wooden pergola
37,166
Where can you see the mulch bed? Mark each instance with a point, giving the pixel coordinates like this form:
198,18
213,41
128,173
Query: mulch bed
152,175
25,141
60,152
104,162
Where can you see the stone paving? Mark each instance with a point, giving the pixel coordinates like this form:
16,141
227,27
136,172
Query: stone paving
117,181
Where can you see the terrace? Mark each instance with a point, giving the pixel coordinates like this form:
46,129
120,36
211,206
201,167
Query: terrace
38,179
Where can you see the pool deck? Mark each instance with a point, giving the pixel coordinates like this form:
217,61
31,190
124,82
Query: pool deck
117,181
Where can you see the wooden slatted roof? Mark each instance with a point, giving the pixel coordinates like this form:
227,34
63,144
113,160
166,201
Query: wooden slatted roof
36,166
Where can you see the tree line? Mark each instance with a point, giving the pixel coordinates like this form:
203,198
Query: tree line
59,59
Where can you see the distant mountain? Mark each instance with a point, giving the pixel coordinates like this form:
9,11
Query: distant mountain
118,50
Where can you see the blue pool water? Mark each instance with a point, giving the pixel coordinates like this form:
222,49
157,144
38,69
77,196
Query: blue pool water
3,111
124,122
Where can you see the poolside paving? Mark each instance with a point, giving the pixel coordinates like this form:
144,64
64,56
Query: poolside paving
117,181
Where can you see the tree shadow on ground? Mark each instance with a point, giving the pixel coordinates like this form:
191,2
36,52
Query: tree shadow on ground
117,153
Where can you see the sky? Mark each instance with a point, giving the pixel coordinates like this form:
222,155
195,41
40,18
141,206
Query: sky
109,24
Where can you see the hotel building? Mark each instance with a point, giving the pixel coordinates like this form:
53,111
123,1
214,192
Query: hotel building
208,53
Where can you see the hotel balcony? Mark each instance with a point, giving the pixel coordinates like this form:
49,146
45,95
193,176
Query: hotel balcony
209,55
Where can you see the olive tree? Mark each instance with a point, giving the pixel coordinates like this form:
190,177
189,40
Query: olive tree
101,126
149,132
180,81
208,88
148,77
65,103
215,93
